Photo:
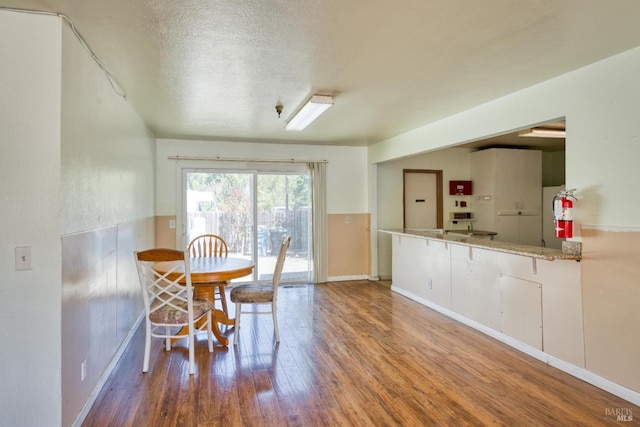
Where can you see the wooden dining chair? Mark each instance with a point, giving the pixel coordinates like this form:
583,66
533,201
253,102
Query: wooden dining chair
168,301
211,245
257,293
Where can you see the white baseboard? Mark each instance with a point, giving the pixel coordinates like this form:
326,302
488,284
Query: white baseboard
576,371
346,278
105,375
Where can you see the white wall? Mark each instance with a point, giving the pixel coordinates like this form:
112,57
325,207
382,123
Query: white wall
600,103
108,159
76,164
30,313
107,184
346,168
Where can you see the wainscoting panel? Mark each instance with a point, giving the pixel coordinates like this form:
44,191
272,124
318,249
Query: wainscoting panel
100,303
165,235
611,300
349,246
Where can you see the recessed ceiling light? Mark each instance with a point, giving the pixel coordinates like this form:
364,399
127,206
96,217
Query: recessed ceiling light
543,133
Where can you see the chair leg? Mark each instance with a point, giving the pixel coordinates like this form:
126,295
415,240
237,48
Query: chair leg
223,300
236,324
209,332
274,310
147,348
192,369
167,341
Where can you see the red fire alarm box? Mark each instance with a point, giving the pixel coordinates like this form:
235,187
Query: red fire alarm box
460,188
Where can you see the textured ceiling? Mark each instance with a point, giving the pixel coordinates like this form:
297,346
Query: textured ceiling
216,69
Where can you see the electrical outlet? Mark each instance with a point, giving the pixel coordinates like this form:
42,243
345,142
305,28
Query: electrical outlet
83,370
429,284
172,223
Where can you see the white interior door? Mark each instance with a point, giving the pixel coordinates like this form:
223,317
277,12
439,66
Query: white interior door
420,200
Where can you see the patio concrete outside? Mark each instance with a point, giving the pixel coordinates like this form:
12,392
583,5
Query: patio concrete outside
295,269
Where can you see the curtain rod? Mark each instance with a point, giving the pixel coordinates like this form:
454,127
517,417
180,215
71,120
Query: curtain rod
223,159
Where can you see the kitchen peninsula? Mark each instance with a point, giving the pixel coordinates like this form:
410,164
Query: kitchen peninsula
526,296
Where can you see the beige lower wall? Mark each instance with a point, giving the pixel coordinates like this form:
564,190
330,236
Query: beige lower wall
100,303
611,304
348,240
165,235
349,245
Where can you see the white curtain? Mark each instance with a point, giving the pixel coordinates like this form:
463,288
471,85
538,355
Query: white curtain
319,220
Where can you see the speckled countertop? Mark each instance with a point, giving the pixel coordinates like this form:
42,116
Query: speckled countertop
548,254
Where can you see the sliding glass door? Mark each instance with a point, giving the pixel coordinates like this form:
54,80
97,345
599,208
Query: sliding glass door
252,211
220,203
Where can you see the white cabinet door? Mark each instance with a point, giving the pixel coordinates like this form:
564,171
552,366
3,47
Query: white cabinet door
521,310
508,187
506,164
438,273
483,175
529,180
422,267
475,284
562,314
529,198
408,264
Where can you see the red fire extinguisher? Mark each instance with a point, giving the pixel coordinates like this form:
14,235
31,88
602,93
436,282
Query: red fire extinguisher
563,214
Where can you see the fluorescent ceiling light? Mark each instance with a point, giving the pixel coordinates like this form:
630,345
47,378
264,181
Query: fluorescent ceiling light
544,133
315,106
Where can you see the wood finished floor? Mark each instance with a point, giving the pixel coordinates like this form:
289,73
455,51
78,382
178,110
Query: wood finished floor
350,354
